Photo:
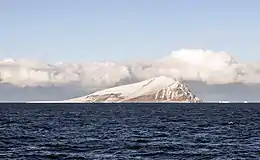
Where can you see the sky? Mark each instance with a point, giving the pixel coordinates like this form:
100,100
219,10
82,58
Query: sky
99,30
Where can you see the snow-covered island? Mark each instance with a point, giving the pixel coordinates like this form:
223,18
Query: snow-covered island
158,89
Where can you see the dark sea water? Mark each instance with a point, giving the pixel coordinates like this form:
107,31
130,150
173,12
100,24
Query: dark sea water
130,131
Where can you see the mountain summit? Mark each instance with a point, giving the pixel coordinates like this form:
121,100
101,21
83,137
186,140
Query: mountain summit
159,89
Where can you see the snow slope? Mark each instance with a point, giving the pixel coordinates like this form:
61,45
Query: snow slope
153,90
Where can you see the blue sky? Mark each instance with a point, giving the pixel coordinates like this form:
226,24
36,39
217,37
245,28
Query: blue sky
87,30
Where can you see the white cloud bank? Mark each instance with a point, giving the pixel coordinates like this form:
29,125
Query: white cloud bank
201,65
188,64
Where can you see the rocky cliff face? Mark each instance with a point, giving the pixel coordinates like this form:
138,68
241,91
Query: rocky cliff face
159,89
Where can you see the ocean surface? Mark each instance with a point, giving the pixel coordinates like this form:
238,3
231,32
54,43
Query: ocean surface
130,131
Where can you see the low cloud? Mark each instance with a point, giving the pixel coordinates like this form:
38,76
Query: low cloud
236,92
211,75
